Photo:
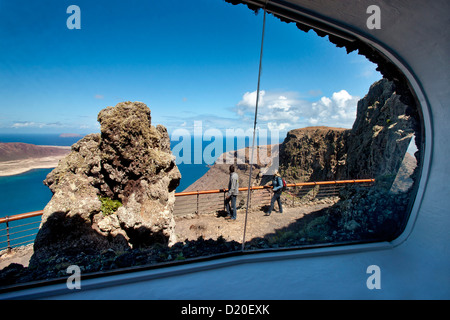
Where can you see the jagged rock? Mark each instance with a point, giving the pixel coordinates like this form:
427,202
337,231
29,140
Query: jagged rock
129,161
368,213
380,135
314,154
374,147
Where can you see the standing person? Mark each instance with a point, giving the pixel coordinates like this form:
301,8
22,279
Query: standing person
277,184
233,191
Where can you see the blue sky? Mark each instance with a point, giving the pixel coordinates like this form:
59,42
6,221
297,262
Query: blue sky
187,60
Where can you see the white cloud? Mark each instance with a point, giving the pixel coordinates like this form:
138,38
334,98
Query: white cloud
278,126
282,111
248,102
24,124
32,124
338,111
271,106
285,111
57,125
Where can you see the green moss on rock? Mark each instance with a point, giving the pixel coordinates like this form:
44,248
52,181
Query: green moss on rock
109,206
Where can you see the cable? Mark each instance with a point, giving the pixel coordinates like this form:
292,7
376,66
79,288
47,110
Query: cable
254,126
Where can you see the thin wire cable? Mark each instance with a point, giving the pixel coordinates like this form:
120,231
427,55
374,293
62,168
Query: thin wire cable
254,127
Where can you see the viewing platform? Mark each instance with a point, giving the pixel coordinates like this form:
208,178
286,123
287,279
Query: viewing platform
21,229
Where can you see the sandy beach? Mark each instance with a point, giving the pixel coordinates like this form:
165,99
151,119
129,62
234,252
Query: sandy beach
13,167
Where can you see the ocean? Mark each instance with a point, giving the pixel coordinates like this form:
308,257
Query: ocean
26,192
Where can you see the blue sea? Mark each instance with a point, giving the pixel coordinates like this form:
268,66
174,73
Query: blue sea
26,192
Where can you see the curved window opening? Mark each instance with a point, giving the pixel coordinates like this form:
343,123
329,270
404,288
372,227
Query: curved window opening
345,135
384,143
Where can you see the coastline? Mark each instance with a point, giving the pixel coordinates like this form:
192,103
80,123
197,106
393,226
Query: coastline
15,167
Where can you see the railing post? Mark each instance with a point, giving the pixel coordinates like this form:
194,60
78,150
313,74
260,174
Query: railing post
224,208
198,194
7,235
293,196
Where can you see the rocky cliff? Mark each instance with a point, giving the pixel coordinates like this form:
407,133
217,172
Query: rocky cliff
128,169
374,147
314,154
381,133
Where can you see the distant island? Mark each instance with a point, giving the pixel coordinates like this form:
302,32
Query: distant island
70,135
18,157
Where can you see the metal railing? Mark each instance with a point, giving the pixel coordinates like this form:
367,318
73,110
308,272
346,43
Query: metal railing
196,202
190,203
14,235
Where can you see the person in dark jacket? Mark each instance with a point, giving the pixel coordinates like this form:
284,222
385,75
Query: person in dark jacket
233,191
277,184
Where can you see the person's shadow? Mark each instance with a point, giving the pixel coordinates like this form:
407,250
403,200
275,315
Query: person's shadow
222,214
265,208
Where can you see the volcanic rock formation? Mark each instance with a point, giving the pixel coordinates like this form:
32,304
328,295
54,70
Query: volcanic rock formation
380,134
374,147
314,154
128,167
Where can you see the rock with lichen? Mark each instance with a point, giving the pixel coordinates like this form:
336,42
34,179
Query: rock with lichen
129,162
